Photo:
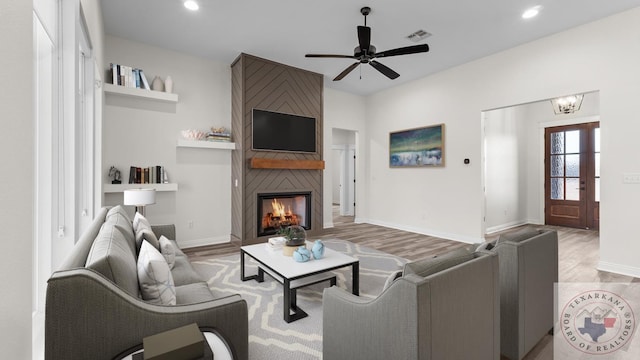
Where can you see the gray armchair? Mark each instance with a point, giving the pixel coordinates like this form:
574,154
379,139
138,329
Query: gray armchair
528,271
440,308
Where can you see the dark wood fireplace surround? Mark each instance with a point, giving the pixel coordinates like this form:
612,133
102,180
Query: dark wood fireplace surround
264,84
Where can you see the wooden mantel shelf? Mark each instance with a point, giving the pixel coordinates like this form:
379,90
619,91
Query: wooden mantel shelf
261,163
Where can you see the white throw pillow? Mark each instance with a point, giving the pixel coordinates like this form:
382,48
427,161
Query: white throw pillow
139,218
154,276
168,251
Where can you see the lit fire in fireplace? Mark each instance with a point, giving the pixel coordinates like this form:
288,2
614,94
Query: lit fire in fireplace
280,215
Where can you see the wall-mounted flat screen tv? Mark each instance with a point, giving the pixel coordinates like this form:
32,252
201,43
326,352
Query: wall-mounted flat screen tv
283,132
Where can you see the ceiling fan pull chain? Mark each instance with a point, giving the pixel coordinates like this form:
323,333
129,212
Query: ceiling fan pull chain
360,68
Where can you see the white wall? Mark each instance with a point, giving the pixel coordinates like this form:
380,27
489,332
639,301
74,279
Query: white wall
598,56
343,111
136,133
16,182
505,169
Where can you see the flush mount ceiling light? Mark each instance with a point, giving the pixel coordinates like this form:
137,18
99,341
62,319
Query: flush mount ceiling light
531,12
567,104
191,5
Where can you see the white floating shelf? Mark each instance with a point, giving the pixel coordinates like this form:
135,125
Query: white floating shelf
206,144
117,188
140,93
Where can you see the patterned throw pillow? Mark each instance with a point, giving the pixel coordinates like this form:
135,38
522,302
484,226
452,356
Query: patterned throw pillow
168,251
154,276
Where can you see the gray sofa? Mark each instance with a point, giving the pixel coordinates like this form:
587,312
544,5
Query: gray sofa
528,271
94,310
440,308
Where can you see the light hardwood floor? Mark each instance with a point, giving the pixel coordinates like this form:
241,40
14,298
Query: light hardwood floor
577,254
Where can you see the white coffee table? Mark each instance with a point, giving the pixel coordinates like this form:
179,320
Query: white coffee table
294,275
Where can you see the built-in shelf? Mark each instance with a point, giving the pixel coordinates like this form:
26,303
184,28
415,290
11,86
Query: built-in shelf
206,144
117,188
140,93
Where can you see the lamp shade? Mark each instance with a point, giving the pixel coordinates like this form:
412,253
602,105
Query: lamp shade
140,197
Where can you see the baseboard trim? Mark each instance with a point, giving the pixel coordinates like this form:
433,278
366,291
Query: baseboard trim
328,225
204,242
510,225
429,232
358,220
619,269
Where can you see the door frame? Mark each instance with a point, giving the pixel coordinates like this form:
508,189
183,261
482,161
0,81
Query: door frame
541,152
347,170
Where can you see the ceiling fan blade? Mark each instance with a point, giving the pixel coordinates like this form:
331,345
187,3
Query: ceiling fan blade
364,38
346,71
330,56
404,51
384,70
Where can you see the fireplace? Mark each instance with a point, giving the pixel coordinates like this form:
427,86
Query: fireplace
276,210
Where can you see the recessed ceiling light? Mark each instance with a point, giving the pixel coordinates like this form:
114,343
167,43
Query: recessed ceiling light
191,5
531,12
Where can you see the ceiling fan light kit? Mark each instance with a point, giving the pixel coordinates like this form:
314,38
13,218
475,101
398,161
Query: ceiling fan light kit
366,53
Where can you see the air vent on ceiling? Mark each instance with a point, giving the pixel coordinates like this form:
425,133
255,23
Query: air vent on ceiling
418,35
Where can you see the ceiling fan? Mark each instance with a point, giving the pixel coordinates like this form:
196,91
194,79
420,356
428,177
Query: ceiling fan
366,53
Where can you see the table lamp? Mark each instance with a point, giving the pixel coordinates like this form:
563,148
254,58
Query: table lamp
140,198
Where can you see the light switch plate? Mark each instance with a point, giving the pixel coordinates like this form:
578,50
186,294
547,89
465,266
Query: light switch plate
630,178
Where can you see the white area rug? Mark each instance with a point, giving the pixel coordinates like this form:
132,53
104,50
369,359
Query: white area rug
270,337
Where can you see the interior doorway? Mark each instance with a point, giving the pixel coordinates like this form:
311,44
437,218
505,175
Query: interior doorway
572,175
344,175
514,163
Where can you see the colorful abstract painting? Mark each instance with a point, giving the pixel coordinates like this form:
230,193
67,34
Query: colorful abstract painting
417,147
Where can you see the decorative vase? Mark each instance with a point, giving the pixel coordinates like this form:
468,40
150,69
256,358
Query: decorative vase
157,84
289,250
168,84
318,249
301,254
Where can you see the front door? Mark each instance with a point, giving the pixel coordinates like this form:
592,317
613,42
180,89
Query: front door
572,176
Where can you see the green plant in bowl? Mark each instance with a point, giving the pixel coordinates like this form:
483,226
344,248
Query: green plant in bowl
295,235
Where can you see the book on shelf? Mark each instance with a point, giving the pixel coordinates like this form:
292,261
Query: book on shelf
128,76
216,136
145,83
132,175
148,175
